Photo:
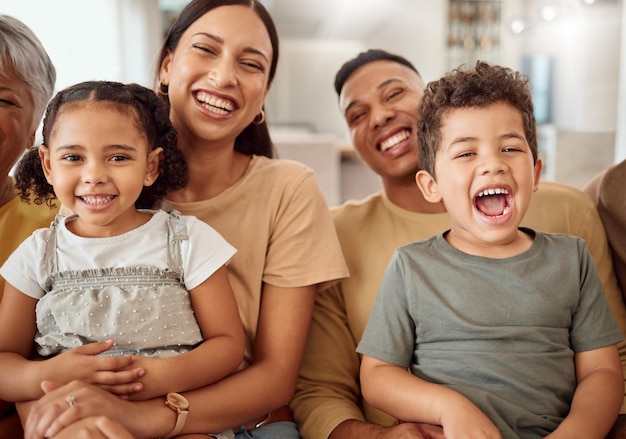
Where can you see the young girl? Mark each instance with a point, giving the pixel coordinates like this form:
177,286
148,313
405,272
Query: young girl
112,278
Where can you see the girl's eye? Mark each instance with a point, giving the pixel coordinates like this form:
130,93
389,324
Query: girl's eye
118,158
71,158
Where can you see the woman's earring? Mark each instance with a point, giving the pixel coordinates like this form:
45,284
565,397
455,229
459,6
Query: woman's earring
163,89
260,118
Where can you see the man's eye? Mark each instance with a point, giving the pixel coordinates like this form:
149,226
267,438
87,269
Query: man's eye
356,117
394,93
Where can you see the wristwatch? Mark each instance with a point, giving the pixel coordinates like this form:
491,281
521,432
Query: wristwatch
180,405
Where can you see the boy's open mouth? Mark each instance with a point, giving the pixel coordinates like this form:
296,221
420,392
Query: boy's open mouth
493,202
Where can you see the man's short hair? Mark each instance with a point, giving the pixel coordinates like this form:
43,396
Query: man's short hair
367,57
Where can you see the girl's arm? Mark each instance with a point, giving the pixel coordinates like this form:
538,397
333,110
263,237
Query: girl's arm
20,378
598,396
266,385
397,391
215,309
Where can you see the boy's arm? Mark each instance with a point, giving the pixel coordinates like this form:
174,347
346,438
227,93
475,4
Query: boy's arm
396,391
598,395
219,355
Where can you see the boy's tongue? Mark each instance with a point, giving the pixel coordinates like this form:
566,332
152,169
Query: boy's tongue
491,205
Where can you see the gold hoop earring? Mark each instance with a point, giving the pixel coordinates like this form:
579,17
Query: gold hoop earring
261,120
163,89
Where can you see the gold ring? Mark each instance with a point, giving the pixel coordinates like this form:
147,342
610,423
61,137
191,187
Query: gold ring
71,400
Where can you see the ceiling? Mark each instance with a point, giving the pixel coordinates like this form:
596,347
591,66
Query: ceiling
355,19
333,19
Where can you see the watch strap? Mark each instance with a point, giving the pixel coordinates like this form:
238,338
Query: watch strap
180,405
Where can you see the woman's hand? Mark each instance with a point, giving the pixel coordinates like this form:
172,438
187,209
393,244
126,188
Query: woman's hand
65,405
95,427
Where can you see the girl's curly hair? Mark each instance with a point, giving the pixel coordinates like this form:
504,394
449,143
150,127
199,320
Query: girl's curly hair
151,118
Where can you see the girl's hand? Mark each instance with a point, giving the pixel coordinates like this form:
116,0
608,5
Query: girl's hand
113,374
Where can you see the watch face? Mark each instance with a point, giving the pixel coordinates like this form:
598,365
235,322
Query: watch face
178,400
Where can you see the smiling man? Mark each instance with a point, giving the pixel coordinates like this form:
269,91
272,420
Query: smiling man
379,96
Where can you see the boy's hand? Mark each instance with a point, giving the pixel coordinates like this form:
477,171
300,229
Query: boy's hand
466,421
113,374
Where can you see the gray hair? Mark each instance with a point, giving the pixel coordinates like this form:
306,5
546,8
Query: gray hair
21,50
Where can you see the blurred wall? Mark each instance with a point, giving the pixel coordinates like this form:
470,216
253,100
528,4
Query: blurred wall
97,39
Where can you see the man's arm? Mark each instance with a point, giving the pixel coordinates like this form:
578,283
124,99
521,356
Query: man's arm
327,392
327,401
595,238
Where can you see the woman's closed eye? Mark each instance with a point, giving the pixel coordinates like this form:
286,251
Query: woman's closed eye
204,48
254,66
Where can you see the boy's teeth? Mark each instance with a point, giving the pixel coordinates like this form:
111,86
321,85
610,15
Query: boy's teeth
495,191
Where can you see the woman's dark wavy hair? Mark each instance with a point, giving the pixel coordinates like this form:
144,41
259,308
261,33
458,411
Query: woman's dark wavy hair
478,87
255,138
151,118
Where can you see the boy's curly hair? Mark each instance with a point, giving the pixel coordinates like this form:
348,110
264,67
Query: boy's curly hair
151,118
479,87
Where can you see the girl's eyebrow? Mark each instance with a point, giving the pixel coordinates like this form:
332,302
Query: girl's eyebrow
122,147
73,147
246,49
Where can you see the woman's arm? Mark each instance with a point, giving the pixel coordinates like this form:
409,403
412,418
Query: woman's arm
215,309
268,383
396,391
598,396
